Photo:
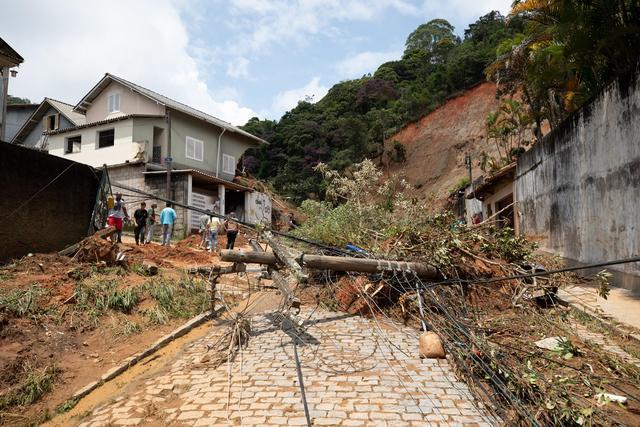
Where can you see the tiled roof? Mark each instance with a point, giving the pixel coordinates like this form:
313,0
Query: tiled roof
166,101
102,122
63,108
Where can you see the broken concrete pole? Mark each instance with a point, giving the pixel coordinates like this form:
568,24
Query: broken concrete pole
248,257
431,346
366,265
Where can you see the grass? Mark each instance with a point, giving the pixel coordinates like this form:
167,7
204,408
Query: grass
128,328
20,302
36,384
177,299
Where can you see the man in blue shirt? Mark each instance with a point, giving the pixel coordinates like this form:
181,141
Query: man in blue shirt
167,219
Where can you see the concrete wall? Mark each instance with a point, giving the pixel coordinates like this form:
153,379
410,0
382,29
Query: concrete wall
130,103
578,189
125,148
183,125
58,215
17,115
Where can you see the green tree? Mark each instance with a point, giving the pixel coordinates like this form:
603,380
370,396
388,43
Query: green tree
436,38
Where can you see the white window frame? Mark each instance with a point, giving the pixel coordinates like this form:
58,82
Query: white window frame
195,143
66,145
115,96
228,164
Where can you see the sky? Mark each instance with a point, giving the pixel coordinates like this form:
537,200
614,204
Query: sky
234,59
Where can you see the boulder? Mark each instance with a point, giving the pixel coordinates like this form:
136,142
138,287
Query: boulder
431,346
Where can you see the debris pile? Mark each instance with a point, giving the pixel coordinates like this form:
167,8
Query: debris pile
488,327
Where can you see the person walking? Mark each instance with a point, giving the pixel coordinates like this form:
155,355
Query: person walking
167,219
140,218
151,222
231,226
214,227
204,229
117,215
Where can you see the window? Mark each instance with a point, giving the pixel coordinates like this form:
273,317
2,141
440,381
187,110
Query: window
228,164
106,138
72,144
51,122
194,149
113,103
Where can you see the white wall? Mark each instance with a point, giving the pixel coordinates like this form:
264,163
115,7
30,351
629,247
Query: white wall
257,208
123,150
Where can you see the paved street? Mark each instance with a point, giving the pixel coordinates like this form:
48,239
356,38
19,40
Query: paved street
356,371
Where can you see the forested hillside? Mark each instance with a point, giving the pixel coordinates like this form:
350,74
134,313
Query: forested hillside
351,122
554,54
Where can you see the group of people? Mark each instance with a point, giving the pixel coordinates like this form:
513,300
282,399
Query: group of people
144,221
211,227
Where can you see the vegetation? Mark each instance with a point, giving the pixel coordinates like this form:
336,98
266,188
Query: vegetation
37,382
385,222
353,120
13,100
567,51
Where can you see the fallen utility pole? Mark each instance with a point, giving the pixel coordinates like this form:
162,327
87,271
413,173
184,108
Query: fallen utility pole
284,256
336,263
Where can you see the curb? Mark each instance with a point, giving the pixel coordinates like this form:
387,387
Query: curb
603,321
133,360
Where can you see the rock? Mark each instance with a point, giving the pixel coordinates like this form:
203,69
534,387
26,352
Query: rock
431,346
603,398
551,343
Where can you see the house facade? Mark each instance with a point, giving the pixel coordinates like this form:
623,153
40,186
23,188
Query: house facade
135,132
9,58
493,195
49,115
17,116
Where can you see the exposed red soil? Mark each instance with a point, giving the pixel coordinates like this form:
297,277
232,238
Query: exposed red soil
436,144
80,353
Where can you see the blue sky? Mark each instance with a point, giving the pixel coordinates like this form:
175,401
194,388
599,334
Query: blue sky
233,59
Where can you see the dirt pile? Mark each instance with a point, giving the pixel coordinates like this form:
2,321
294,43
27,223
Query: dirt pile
436,145
65,320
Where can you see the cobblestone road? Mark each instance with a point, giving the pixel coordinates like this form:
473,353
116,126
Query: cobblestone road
357,372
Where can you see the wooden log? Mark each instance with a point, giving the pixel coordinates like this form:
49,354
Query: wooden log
364,265
253,257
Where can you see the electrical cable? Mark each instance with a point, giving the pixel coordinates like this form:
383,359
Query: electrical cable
301,383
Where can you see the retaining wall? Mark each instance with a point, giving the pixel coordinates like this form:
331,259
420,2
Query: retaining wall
578,190
39,213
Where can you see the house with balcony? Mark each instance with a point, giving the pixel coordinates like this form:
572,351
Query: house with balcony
135,132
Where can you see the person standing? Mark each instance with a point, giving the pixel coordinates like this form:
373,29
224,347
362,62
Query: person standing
140,218
151,222
204,229
214,226
231,226
167,219
117,215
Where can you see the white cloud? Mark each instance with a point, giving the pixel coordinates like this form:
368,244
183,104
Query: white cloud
239,67
458,11
284,101
365,62
68,46
268,22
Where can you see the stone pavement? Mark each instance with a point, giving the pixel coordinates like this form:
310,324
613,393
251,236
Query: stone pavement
356,371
